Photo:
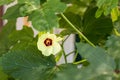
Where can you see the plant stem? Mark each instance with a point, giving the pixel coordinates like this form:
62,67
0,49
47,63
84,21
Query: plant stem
81,34
64,54
81,61
78,62
76,53
70,53
66,39
116,32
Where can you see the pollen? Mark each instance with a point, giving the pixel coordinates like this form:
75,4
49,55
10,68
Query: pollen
48,42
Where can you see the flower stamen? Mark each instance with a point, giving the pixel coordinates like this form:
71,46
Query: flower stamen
48,42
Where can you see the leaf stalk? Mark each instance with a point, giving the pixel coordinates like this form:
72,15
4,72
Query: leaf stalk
80,33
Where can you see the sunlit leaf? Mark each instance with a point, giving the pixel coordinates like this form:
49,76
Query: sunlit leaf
22,38
115,14
2,2
26,34
12,39
12,12
45,18
28,6
105,6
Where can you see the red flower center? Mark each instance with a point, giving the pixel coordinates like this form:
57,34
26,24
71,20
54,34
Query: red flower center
48,42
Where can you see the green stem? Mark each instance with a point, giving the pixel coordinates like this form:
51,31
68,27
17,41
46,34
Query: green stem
78,62
116,32
81,61
70,53
66,39
77,30
76,53
64,54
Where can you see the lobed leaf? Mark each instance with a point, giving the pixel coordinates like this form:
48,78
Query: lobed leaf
68,72
96,29
28,6
74,19
101,64
45,18
28,64
4,36
113,45
12,12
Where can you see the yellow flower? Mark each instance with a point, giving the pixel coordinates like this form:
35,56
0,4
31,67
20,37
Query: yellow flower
48,44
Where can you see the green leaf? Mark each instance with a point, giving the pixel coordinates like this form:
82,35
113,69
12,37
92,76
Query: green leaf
23,8
105,6
74,19
104,77
113,46
77,6
95,55
100,62
117,70
22,38
29,6
96,29
5,44
98,13
28,64
45,18
12,12
58,56
2,2
3,76
117,25
115,14
29,2
68,72
42,1
90,26
26,34
7,29
11,39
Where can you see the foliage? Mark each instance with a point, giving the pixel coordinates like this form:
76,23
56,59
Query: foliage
28,64
97,22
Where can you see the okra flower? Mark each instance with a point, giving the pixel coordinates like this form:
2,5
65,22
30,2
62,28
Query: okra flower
48,44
